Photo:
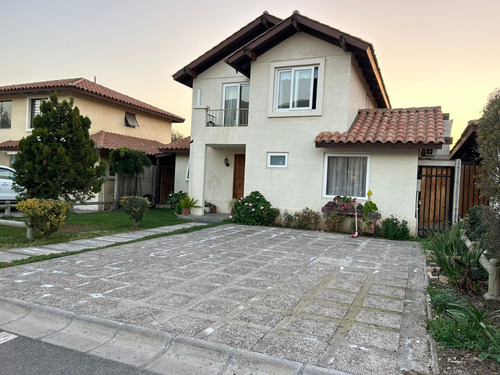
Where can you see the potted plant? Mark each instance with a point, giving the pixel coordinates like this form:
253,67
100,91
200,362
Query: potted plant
370,214
187,203
208,207
213,209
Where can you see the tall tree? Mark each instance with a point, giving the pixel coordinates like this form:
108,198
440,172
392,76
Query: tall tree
58,159
489,176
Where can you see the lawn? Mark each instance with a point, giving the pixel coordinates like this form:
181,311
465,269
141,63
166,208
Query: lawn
88,225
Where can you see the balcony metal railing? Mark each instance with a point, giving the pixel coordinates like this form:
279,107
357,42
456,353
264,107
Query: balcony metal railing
227,117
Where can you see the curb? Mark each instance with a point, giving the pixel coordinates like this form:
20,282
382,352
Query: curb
141,347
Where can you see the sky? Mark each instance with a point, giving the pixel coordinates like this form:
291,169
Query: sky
430,52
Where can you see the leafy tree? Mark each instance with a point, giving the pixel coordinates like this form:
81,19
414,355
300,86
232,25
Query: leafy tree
489,174
176,136
125,161
58,159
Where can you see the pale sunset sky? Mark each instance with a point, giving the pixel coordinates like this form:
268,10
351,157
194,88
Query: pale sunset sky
430,52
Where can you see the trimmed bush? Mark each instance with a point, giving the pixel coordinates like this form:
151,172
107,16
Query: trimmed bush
395,229
254,209
45,216
135,208
333,220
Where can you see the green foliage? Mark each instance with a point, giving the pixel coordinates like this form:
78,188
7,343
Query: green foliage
475,217
176,136
126,161
456,333
135,208
305,219
188,202
441,298
45,216
254,209
395,230
449,245
174,198
58,159
488,138
333,220
232,205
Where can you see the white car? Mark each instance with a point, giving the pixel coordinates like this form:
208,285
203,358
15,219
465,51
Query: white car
6,182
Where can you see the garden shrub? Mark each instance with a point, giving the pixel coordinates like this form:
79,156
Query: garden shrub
45,216
447,247
305,219
174,198
254,209
333,220
135,208
395,229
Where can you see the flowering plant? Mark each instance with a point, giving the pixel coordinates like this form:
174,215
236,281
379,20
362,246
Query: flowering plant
254,209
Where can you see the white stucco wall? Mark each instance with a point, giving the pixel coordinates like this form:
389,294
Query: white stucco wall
180,183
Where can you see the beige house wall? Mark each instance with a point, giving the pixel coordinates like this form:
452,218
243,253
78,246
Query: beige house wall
180,182
392,173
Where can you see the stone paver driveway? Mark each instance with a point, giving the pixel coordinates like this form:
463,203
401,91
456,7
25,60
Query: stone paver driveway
322,300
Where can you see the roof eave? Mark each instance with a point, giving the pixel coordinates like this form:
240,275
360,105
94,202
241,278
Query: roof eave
386,145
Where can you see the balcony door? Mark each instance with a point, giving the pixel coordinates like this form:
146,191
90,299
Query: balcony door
236,97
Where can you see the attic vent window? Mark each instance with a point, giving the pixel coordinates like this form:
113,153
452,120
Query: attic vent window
428,152
130,120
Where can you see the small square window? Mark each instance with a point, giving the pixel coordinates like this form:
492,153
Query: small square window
130,120
277,160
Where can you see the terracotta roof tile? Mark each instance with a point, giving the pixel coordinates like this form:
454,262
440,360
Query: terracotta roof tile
181,144
9,145
415,126
110,141
89,88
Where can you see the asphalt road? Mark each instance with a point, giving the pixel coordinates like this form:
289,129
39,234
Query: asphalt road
24,356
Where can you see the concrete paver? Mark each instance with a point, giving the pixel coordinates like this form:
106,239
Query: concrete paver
233,300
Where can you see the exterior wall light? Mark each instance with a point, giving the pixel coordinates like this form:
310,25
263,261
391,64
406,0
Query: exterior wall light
226,161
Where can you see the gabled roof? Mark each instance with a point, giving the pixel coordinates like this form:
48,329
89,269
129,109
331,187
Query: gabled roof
86,87
467,144
363,51
405,128
225,48
111,141
180,145
9,145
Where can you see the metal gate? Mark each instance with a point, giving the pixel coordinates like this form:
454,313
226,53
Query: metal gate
436,198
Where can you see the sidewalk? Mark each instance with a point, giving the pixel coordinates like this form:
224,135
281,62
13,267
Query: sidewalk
91,243
233,300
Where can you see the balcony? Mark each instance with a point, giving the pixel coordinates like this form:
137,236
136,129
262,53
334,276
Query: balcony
227,117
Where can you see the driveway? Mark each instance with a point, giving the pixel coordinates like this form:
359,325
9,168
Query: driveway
232,300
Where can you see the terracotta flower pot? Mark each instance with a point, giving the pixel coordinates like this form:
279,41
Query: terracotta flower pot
185,211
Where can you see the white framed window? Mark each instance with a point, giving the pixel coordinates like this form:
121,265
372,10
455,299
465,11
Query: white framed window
346,175
235,103
33,110
6,114
296,88
130,120
277,159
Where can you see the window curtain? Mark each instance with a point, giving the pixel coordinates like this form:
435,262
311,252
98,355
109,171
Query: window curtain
346,176
230,104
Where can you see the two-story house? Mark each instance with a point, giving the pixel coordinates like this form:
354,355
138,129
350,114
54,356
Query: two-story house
299,111
117,120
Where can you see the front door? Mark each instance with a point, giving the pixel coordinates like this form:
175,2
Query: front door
239,175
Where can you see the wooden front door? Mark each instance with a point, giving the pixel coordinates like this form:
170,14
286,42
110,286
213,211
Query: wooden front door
239,175
166,183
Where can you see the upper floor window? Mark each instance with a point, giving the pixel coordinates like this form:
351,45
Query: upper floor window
346,175
130,120
34,105
5,114
296,88
277,159
235,103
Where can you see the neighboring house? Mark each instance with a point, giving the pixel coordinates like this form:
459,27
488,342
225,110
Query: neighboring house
117,121
300,111
466,151
172,163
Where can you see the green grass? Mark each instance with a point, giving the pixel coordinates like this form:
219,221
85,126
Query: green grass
88,225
